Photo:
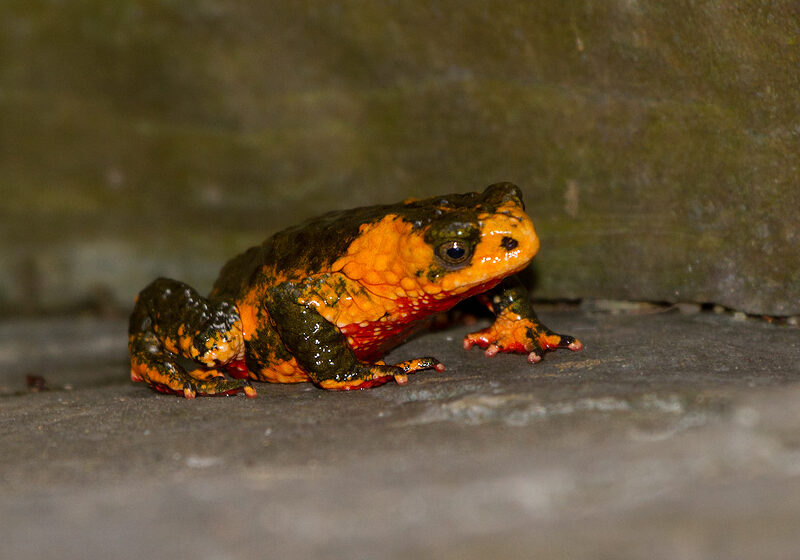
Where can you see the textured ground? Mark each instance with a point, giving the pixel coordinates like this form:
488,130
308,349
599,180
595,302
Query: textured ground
670,436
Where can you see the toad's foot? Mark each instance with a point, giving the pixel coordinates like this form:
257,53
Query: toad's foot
365,376
520,336
171,321
151,365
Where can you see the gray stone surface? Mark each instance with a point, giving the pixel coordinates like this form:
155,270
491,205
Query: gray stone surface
656,143
672,435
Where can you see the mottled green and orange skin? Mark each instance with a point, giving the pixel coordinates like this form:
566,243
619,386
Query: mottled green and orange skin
324,301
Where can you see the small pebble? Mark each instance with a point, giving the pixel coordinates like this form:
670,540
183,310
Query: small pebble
688,308
746,416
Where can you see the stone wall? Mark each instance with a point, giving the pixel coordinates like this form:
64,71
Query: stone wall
657,143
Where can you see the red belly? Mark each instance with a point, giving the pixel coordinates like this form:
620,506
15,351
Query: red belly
371,340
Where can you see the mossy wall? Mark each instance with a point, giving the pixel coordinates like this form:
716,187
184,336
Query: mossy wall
658,143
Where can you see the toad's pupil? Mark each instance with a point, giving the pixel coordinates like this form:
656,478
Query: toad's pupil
455,253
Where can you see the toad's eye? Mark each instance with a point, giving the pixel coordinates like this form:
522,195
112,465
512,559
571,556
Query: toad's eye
454,253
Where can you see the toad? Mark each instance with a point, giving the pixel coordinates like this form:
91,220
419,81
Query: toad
324,301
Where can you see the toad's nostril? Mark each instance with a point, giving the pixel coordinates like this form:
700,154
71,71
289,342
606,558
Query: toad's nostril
509,243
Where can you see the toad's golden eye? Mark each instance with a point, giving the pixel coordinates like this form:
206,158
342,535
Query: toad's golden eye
454,253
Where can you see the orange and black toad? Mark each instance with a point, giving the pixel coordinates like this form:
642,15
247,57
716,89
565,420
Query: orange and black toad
323,302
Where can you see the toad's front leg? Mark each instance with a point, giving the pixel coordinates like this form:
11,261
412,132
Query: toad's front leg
322,351
516,327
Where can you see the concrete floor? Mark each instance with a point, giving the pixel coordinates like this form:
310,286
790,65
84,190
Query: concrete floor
670,436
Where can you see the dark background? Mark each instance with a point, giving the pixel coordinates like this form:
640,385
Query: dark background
656,143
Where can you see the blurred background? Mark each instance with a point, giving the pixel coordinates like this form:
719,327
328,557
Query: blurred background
658,145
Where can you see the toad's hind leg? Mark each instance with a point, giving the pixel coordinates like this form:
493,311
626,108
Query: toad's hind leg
171,320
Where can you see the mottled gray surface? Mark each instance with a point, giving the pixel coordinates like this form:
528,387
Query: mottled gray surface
656,143
670,436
